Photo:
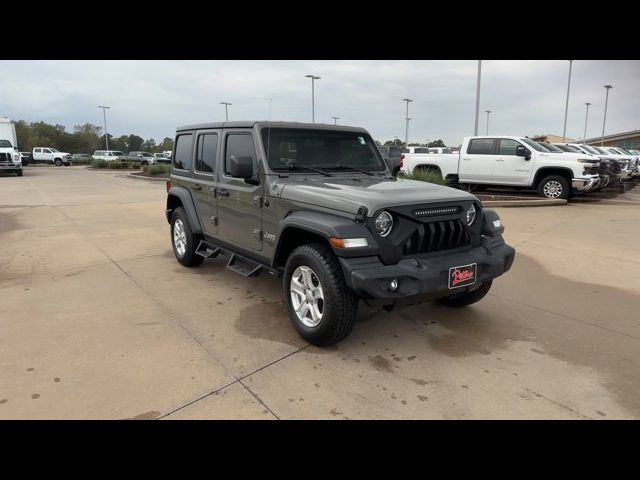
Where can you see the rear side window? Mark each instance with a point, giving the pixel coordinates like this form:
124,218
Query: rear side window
239,145
481,146
207,152
184,146
508,146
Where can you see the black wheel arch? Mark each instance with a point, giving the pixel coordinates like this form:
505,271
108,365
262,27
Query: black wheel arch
181,197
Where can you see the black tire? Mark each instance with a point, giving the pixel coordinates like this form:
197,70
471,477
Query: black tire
58,162
145,163
467,298
340,305
189,258
19,173
558,187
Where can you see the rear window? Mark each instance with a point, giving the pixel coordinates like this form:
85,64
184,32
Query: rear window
421,150
481,146
184,146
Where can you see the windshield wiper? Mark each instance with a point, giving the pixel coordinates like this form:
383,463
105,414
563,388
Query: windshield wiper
302,167
343,167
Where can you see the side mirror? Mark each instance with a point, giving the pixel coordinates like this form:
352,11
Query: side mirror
241,167
523,152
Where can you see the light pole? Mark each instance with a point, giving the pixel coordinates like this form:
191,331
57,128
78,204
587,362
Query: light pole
335,120
226,109
606,101
475,130
104,115
406,129
313,95
488,112
584,138
566,107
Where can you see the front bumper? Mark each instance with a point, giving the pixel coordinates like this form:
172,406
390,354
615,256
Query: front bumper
9,166
585,184
425,277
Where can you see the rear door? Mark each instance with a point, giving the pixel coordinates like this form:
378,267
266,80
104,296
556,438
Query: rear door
239,202
477,163
203,188
509,169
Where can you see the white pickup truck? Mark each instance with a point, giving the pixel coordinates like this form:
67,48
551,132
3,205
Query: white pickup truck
513,162
51,155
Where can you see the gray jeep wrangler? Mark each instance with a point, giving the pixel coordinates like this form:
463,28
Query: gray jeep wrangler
317,205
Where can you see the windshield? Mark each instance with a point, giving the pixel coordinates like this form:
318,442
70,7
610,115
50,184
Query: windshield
536,146
589,149
570,148
145,154
320,149
552,148
601,151
115,153
53,149
5,144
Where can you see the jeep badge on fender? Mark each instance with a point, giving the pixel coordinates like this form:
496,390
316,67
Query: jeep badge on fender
334,222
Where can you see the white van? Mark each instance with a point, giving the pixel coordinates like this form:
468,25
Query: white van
108,155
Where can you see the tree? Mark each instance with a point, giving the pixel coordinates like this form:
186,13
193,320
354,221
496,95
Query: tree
437,143
166,145
134,143
24,135
149,145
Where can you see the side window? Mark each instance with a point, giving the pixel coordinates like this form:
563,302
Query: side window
207,152
184,146
508,146
481,146
239,145
38,150
46,150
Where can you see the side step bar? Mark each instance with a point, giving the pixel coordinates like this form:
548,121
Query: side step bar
237,263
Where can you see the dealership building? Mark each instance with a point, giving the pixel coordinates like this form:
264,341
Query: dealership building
624,140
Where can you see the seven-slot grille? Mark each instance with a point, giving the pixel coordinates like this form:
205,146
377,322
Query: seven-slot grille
437,236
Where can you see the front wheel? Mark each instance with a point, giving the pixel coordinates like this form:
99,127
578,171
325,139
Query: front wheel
554,186
320,305
467,298
58,162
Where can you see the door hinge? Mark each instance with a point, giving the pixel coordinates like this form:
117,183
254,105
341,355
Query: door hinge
214,220
257,233
257,201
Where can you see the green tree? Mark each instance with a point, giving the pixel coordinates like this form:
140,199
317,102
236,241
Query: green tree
134,143
149,145
437,143
24,134
166,145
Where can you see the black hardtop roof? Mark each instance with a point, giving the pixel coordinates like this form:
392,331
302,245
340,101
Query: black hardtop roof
264,123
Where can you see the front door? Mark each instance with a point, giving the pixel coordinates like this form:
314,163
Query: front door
203,187
509,168
239,201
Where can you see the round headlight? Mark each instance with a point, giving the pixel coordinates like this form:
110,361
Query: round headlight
471,215
384,224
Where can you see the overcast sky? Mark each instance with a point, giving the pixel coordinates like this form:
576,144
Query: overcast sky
150,98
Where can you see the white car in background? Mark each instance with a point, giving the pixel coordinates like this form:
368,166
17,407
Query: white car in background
108,155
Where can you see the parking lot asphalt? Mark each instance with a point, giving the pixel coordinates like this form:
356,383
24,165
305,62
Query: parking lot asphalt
98,320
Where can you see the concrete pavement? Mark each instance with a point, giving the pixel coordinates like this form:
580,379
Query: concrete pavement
98,320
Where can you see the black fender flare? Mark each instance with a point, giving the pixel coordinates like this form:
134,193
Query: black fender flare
189,207
326,226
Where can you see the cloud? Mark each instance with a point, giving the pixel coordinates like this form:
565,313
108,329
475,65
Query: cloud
151,98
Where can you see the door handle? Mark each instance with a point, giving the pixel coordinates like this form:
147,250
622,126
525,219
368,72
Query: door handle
223,193
197,186
466,159
499,159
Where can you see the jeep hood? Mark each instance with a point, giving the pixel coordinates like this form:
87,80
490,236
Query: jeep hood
347,194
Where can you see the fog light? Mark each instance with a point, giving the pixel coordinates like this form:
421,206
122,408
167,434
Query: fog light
393,285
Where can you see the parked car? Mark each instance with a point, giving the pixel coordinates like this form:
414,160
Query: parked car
603,169
162,157
393,156
108,155
143,158
613,167
27,158
51,155
10,158
514,162
317,205
624,160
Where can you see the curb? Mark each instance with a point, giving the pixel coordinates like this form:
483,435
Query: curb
150,179
524,203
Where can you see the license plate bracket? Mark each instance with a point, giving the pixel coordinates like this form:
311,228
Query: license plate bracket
463,275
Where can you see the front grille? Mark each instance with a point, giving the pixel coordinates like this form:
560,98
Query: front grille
437,236
435,212
603,169
590,170
5,157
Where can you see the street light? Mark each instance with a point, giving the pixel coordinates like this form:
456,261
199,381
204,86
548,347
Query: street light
475,130
335,120
406,129
606,101
226,109
566,107
488,112
104,115
585,122
395,140
313,94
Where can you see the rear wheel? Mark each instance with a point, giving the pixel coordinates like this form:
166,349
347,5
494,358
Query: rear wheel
320,305
554,186
183,240
467,298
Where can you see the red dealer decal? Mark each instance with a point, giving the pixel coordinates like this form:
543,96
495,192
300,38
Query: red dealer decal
462,276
